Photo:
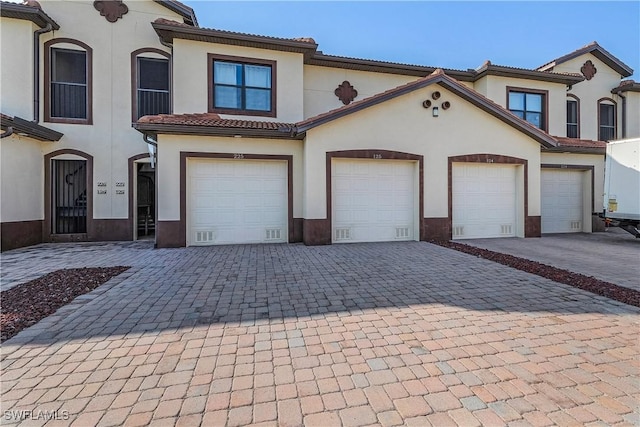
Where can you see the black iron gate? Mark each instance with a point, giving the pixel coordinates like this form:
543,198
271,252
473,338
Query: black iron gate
69,196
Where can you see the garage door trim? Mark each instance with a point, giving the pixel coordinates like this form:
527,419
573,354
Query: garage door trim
184,155
532,224
373,154
575,167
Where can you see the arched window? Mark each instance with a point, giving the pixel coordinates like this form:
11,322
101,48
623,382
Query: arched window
150,83
68,81
607,119
573,116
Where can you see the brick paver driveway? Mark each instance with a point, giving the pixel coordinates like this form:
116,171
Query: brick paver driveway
363,334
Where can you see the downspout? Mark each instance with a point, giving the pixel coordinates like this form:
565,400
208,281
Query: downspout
36,70
152,146
624,115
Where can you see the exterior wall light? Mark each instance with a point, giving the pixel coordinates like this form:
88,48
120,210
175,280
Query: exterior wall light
435,112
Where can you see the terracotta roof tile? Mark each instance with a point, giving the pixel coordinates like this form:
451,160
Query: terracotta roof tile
575,142
308,40
627,86
489,65
212,120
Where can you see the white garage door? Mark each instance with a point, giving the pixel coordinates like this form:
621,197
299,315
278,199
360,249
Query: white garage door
237,201
562,202
484,201
374,200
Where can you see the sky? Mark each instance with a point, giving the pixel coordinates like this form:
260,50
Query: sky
454,34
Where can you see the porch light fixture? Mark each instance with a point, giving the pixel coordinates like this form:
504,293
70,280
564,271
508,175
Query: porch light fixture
435,112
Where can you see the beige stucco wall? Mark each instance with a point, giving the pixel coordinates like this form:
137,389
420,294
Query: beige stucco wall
495,88
595,160
402,124
22,183
16,69
633,114
170,146
321,82
110,139
590,91
191,83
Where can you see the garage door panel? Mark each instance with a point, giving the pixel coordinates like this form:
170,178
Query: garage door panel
237,201
562,201
371,198
484,201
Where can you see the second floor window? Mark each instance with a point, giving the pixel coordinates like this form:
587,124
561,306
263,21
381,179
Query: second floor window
607,122
153,94
572,118
529,106
69,94
242,87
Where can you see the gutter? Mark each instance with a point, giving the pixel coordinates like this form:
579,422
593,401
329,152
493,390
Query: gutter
154,129
7,133
624,114
36,70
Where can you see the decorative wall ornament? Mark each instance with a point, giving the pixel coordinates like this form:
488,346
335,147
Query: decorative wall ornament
346,93
435,95
588,70
446,105
426,103
112,10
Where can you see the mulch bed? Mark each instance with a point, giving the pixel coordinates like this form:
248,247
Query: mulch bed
28,303
577,280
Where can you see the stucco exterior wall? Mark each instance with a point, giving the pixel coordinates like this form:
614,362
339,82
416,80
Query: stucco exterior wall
16,57
590,91
110,139
321,82
594,160
170,146
22,183
633,114
191,83
402,124
495,88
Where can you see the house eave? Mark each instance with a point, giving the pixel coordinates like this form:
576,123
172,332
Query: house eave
323,60
634,87
499,71
155,129
574,150
168,33
596,50
186,12
32,130
27,13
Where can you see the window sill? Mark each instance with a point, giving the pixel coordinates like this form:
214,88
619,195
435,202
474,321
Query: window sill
243,112
68,121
